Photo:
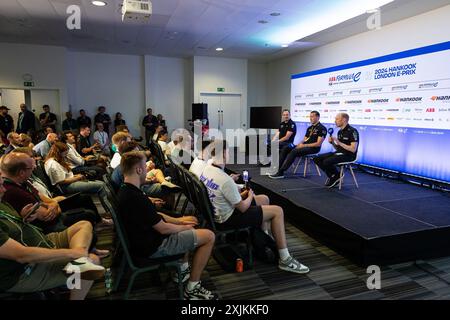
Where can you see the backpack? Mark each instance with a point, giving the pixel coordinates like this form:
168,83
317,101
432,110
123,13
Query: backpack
264,246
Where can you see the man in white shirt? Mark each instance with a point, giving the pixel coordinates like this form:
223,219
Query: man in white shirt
101,137
77,163
233,210
199,163
117,140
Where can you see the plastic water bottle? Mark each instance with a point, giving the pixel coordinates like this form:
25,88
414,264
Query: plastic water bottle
108,281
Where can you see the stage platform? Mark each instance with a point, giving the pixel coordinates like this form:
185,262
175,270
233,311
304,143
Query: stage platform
383,222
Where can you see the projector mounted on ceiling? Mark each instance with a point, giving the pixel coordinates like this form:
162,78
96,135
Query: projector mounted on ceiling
136,10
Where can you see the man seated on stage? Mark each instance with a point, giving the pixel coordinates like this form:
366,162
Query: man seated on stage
235,210
346,145
311,144
154,236
285,135
31,261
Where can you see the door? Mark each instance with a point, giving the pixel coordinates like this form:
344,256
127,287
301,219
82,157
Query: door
12,98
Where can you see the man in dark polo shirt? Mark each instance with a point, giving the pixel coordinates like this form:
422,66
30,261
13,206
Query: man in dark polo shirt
311,144
154,235
31,261
285,135
85,147
346,145
47,118
150,122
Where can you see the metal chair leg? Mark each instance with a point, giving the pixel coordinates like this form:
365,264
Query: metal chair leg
306,167
340,177
130,284
120,273
318,170
296,166
353,175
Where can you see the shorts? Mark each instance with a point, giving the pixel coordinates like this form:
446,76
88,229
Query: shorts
45,276
155,190
253,217
177,243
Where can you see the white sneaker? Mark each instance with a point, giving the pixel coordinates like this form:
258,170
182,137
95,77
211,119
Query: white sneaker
87,269
292,265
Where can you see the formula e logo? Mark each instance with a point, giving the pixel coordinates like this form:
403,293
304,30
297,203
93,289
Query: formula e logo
346,78
357,77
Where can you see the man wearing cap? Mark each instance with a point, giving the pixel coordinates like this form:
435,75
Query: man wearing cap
6,122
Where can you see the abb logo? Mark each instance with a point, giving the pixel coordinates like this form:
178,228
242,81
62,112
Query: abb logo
431,110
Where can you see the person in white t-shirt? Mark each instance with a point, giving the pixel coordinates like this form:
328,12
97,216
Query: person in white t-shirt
163,136
235,210
117,140
200,162
101,137
59,172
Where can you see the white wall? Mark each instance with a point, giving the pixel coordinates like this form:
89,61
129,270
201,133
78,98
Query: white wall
166,90
114,81
257,84
211,73
46,64
422,30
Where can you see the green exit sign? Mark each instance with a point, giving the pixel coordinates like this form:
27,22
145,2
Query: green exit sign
220,89
28,84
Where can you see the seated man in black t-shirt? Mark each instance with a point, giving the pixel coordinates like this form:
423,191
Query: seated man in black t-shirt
155,235
311,144
285,136
346,145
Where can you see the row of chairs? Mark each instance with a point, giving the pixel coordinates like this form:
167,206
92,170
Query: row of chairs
136,265
197,194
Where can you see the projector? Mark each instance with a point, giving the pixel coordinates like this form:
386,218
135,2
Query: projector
136,10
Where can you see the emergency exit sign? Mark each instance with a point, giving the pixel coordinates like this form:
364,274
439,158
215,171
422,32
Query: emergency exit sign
28,84
220,89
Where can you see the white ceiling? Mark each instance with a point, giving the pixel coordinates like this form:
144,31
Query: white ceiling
182,28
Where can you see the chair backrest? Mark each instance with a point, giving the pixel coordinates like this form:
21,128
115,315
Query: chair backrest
39,171
118,224
202,202
157,152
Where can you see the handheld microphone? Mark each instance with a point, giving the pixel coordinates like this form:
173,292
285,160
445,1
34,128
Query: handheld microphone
330,131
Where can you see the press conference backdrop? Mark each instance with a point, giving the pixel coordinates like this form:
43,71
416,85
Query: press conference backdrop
400,104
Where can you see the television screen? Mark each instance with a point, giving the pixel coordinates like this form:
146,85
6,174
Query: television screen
265,117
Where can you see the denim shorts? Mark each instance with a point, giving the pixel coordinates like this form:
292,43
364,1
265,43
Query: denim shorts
177,243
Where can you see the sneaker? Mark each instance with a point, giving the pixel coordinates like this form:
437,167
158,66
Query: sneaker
87,269
199,293
334,181
184,275
292,265
277,175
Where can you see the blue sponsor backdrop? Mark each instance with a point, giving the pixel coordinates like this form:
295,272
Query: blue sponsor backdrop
421,152
415,151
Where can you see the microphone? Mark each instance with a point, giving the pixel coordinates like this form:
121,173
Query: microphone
330,131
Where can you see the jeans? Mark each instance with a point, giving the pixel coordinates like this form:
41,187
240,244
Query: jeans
294,154
92,187
327,161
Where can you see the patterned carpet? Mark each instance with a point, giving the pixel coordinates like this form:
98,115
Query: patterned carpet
332,277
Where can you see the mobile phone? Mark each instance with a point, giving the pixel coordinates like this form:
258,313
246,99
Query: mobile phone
33,210
245,178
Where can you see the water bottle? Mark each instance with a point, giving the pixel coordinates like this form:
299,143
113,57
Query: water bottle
108,281
245,178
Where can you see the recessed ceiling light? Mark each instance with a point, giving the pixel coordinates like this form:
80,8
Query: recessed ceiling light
275,14
219,49
99,3
284,45
263,21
